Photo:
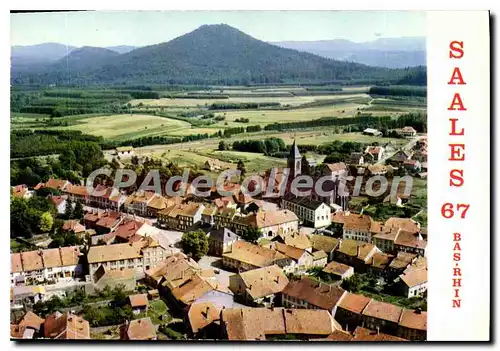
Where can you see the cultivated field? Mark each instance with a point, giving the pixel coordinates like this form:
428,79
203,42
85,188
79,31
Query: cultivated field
124,127
290,100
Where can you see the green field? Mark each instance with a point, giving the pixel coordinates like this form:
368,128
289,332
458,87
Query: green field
124,127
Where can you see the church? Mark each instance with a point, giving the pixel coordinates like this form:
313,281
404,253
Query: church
329,179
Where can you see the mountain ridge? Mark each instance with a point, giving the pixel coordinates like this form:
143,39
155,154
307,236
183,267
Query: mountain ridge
211,54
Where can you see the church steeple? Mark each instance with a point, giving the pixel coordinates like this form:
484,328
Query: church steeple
294,161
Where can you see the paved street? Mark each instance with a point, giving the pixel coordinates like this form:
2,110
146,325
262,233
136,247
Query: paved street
168,238
216,263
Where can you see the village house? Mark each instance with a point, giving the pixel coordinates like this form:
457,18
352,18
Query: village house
131,230
258,287
245,256
213,165
276,323
203,320
298,240
377,170
21,191
320,258
207,216
25,296
182,216
360,227
398,158
138,202
349,309
73,226
312,213
116,256
339,270
223,217
197,289
407,132
413,282
356,158
103,223
124,151
78,193
373,154
413,325
381,316
410,242
139,329
220,241
159,203
31,267
371,131
378,264
324,243
311,294
412,166
387,236
354,253
59,184
59,202
139,303
400,263
152,251
113,278
171,272
106,197
66,326
301,260
28,327
364,335
270,223
337,169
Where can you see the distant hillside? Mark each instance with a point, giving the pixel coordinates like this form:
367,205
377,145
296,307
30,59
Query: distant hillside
85,58
25,58
383,52
121,49
211,54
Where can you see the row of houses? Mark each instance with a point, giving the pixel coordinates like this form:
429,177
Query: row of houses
32,267
395,235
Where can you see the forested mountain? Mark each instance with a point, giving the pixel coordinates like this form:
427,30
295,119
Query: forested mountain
211,54
26,58
383,52
85,58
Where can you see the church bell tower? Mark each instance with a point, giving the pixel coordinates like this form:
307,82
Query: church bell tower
294,161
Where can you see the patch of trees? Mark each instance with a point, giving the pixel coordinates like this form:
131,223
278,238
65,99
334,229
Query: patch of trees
251,235
267,146
142,94
195,244
232,131
242,120
358,123
256,128
420,91
31,216
242,106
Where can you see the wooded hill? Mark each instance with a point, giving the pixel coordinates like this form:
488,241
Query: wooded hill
211,54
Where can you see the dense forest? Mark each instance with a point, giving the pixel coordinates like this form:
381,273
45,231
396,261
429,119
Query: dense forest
268,146
211,54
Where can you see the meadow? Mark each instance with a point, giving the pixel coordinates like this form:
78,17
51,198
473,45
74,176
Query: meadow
125,126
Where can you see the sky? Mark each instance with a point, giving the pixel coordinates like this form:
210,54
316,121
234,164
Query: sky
140,28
